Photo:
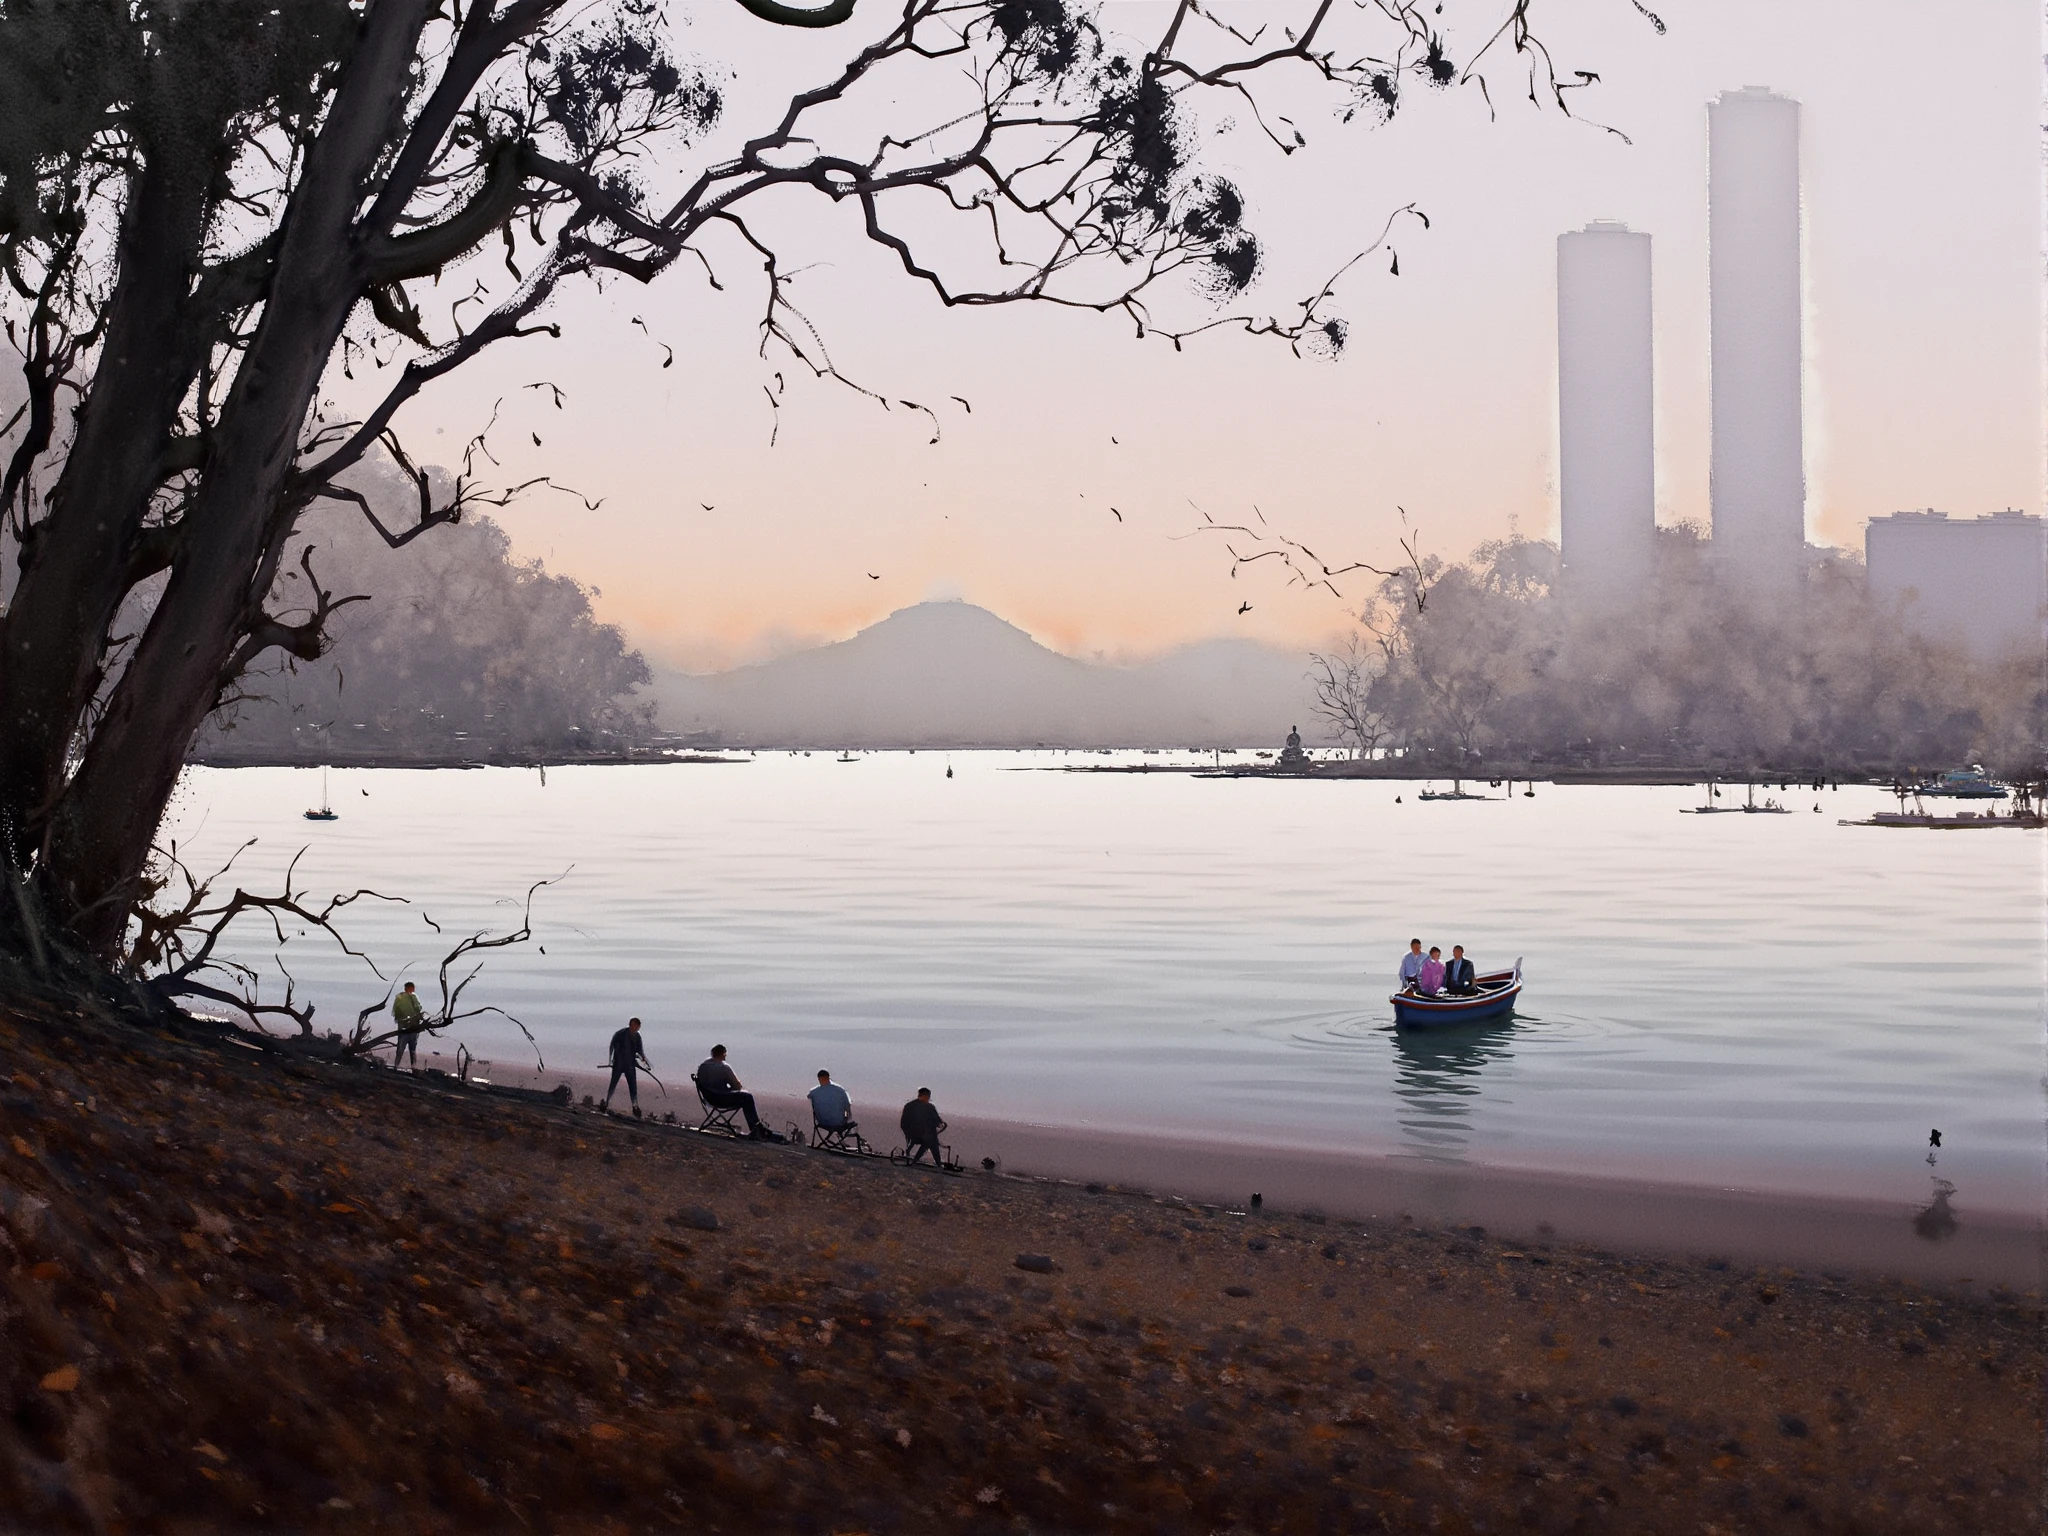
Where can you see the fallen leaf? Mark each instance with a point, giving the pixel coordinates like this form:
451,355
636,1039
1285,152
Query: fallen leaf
62,1379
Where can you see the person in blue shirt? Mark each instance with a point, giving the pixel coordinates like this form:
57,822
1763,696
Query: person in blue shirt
830,1107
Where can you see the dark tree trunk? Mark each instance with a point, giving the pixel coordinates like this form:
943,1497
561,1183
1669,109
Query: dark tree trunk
75,573
106,818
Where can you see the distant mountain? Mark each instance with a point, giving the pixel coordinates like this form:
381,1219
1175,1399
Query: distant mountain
954,675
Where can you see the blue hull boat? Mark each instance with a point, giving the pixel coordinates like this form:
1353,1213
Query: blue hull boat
1496,996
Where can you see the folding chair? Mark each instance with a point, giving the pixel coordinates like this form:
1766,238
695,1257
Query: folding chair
845,1139
717,1117
945,1162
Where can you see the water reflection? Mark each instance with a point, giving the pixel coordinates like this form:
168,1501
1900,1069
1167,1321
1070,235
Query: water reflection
1437,1081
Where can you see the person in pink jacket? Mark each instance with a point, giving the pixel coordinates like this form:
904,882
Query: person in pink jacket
1431,981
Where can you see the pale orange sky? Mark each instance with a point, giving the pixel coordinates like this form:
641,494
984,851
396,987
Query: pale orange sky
1922,185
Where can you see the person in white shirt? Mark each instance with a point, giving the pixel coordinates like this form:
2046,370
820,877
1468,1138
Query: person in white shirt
1412,964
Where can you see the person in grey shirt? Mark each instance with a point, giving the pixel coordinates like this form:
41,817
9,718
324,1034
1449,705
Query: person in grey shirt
721,1089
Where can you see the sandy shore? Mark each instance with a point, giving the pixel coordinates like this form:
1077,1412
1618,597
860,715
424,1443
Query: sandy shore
251,1292
1952,1244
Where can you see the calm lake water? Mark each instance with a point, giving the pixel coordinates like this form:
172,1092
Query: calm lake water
1776,1002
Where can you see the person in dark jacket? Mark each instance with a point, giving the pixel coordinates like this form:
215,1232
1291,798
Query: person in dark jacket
1458,974
718,1085
921,1128
627,1053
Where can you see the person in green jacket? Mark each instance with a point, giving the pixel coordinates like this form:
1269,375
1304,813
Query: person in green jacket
411,1019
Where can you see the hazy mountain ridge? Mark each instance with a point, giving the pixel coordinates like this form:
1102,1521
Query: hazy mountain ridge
950,674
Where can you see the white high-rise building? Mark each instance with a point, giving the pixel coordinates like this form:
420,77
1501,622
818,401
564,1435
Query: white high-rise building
1606,464
1759,481
1980,580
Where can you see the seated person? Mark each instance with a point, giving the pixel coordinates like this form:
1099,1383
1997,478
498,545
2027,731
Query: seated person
1411,965
921,1127
830,1107
721,1089
1458,978
1431,979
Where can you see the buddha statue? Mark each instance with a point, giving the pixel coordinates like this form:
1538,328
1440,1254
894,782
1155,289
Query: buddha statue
1292,758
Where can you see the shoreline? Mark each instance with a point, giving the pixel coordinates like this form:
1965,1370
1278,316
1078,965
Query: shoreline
1323,769
1966,1247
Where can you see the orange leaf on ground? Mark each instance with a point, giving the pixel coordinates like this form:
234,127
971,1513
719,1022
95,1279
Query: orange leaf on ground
62,1379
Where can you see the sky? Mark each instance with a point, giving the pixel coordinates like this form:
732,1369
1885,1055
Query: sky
714,545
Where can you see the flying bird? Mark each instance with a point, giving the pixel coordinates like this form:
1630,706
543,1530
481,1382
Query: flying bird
1244,608
873,577
707,506
1934,1138
1119,515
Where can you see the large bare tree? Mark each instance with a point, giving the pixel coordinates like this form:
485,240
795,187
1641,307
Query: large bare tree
208,212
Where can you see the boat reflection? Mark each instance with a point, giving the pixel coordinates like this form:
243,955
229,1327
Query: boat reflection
1437,1081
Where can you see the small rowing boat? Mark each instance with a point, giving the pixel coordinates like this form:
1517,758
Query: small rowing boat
1496,995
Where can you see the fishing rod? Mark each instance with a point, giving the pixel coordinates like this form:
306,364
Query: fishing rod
649,1071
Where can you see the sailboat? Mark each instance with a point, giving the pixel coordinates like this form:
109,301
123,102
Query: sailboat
1770,807
327,812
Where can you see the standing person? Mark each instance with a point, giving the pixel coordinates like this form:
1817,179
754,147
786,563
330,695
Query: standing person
1431,981
1411,965
1458,974
921,1128
627,1053
410,1018
720,1088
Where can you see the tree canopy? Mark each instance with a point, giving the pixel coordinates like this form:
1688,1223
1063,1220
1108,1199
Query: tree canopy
463,649
1502,664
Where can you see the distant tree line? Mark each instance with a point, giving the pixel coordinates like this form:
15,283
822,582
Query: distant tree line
464,648
1493,663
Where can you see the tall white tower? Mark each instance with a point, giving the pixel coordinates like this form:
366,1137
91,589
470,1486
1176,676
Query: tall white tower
1759,482
1605,455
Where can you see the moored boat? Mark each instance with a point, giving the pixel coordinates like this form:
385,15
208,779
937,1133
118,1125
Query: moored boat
1496,995
1969,783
